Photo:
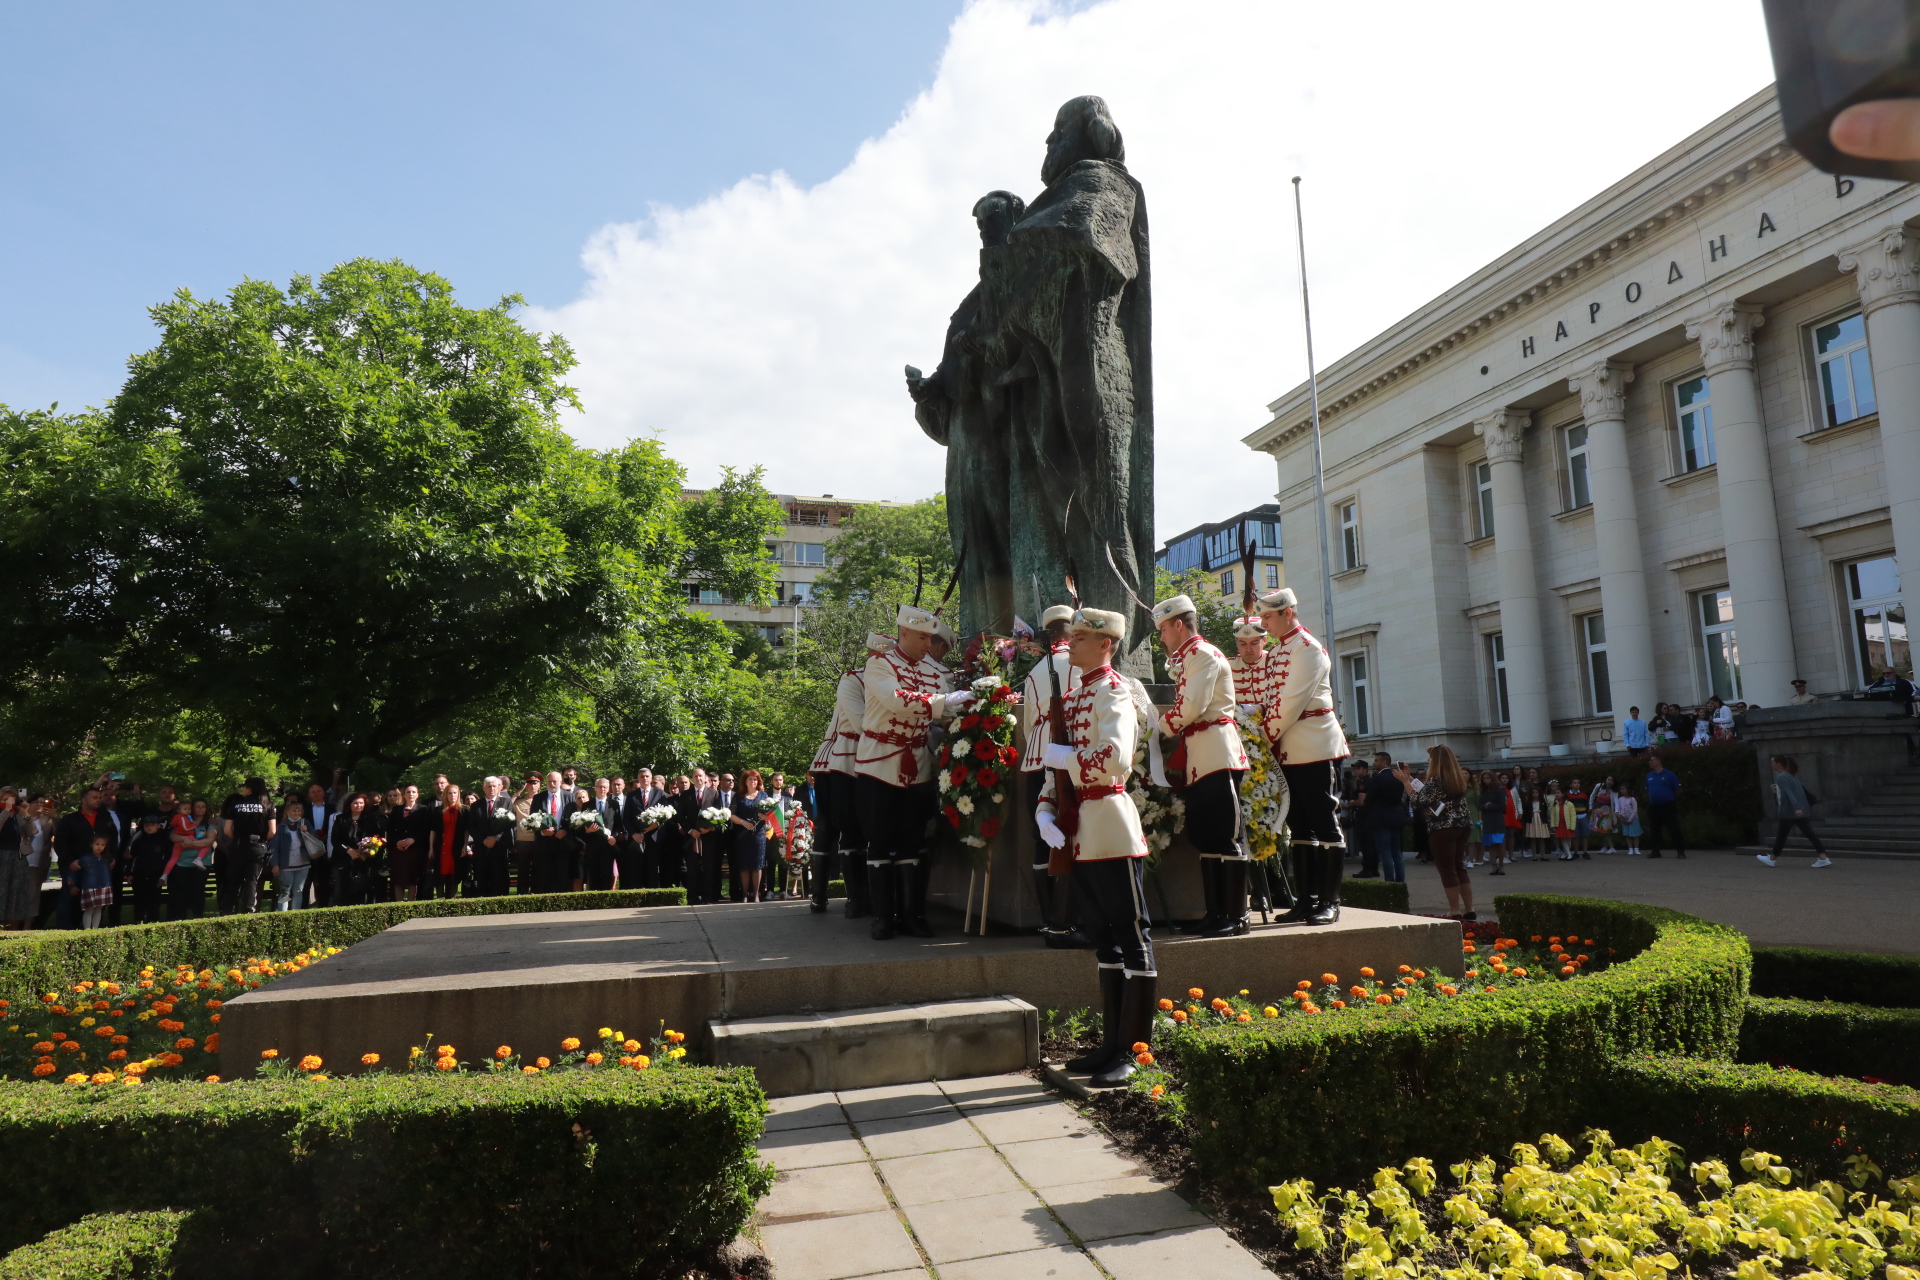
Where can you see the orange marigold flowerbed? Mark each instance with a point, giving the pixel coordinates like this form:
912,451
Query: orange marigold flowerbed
163,1024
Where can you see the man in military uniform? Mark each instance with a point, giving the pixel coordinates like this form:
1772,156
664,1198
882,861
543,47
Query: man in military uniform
896,788
1036,703
1207,762
1249,662
836,836
1109,849
1309,746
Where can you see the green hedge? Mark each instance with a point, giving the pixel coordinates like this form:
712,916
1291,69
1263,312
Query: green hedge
103,1246
1335,1097
1833,1039
630,1173
1721,1109
47,959
1857,977
1375,895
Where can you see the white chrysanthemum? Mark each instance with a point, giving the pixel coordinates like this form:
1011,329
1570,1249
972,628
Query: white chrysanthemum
946,780
999,797
964,804
960,747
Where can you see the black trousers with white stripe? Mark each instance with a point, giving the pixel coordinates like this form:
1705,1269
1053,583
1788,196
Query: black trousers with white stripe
1113,912
1213,814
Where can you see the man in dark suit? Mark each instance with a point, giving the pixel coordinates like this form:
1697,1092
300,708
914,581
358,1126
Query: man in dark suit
598,847
550,847
723,841
490,830
644,846
702,848
72,841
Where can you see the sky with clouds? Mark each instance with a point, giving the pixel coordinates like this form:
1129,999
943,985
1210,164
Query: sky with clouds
749,215
770,322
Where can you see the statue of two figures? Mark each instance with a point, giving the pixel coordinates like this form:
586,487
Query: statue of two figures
1044,394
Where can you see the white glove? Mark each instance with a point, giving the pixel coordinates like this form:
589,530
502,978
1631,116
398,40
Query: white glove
1059,755
1050,830
959,701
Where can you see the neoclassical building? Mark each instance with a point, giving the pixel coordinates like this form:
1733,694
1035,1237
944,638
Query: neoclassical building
1668,447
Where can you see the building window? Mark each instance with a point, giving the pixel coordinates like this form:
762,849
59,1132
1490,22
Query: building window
1846,378
809,553
1349,535
1578,494
1497,655
800,592
1721,650
1593,629
1357,689
1226,583
1273,577
710,595
1879,618
1691,400
775,636
1483,497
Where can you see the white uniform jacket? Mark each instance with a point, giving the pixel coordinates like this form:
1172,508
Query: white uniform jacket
1299,706
1103,725
1249,679
1036,700
842,745
1201,718
902,699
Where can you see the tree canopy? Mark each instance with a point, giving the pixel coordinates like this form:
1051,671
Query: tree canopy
344,520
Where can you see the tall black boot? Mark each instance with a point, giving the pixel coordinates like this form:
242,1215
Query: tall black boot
913,898
1112,983
853,867
1305,877
1043,890
819,868
1136,1027
1233,900
1209,894
1327,894
881,889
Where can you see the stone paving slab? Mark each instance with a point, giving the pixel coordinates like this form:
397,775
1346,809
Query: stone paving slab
987,1179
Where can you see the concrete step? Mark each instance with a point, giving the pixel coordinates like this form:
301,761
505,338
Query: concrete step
891,1044
1797,847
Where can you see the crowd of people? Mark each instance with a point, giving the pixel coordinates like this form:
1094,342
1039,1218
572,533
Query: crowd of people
122,855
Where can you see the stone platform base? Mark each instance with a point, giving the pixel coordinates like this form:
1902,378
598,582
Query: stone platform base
867,1048
529,981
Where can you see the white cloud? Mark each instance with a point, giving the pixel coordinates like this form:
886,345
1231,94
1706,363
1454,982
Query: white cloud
769,324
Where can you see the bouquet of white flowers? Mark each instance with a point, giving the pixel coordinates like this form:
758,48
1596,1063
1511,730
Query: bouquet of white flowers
584,819
716,816
655,814
766,804
536,822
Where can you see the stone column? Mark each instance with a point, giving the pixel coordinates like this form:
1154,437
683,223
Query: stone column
1748,521
1886,270
1530,718
1616,535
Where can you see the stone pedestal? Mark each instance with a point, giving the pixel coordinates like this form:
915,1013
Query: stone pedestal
1845,750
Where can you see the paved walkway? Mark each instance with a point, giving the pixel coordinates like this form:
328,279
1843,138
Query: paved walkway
985,1179
1857,904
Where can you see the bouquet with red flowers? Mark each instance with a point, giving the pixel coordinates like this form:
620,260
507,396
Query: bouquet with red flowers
977,761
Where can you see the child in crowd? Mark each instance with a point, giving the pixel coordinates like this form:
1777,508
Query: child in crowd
1577,797
94,881
1600,813
1539,826
1626,811
1560,818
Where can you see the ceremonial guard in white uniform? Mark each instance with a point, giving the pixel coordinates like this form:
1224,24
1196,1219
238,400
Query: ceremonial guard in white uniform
1036,703
1249,663
1109,850
836,824
1206,763
1309,745
896,786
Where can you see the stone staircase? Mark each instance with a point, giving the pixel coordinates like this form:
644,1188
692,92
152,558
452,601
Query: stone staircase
1884,823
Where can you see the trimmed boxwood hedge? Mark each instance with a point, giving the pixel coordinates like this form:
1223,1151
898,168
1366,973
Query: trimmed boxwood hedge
1336,1097
103,1246
1720,1108
48,959
1376,895
624,1172
1856,977
1833,1039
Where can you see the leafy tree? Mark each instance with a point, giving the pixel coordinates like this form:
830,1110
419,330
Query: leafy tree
883,550
344,519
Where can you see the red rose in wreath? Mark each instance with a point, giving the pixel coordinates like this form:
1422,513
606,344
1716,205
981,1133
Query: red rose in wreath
985,750
951,814
990,828
988,777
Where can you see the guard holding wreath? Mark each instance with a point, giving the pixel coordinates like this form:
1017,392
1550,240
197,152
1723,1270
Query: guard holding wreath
1108,847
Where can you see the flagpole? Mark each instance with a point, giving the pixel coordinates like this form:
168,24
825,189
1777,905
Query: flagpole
1319,471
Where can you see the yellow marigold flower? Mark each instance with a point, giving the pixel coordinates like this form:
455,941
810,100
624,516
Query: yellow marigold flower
213,1079
542,1063
529,1071
369,1059
445,1064
606,1033
504,1052
677,1053
269,1053
631,1046
641,1062
309,1063
87,1022
570,1043
595,1059
102,1077
444,1051
1271,1012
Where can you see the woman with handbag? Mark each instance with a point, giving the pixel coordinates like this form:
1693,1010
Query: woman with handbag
1442,801
294,847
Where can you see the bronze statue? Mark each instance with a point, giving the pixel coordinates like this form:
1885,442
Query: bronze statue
1056,342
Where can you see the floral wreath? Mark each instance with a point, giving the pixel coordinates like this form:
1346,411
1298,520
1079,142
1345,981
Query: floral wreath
976,761
1263,793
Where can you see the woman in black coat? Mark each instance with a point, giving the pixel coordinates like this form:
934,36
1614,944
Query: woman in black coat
351,867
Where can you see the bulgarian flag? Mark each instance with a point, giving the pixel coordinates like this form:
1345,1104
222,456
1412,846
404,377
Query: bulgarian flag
778,823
